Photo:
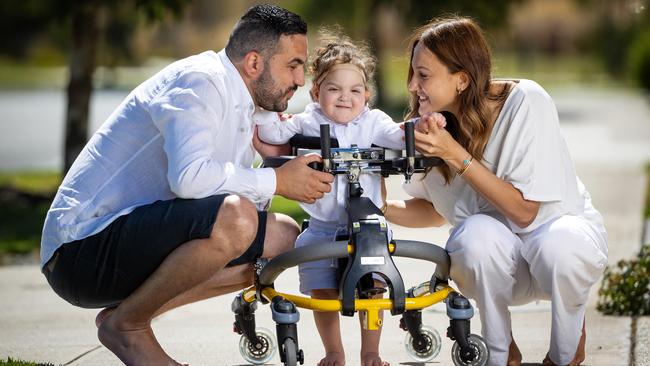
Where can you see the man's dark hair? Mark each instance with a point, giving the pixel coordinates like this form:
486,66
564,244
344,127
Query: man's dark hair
260,29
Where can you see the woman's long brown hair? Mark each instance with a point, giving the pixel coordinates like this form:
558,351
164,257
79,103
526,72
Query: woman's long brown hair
460,45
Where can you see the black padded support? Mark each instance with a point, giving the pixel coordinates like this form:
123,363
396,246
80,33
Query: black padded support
310,142
371,242
426,251
300,255
370,255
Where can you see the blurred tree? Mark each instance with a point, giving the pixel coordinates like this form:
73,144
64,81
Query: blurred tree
621,39
23,21
86,20
361,19
638,59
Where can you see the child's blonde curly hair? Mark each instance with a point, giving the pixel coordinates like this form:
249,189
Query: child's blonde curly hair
339,49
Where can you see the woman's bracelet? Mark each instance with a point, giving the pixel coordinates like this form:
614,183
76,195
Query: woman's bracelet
384,208
466,164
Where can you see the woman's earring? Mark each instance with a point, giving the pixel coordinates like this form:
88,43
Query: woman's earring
460,91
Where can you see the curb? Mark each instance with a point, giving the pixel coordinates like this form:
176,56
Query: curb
641,341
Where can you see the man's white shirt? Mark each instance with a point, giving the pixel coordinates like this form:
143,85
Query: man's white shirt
186,132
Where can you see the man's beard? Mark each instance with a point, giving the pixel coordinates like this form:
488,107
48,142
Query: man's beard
268,96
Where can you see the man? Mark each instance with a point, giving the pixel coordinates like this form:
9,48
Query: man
160,209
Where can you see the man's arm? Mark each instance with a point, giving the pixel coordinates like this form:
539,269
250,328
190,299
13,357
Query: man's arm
187,115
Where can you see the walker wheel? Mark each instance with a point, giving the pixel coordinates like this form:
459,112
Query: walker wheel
264,353
481,352
290,352
433,344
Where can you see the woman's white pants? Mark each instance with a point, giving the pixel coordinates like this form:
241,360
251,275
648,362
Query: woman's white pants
559,261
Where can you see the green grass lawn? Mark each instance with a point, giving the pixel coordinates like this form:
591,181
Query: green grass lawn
11,362
288,207
25,198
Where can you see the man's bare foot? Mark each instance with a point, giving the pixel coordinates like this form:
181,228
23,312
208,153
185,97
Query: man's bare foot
132,345
333,359
580,356
372,359
102,315
514,355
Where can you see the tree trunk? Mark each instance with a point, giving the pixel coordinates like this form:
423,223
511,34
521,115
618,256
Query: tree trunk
372,32
85,34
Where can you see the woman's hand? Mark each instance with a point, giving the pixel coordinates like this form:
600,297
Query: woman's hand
432,139
438,118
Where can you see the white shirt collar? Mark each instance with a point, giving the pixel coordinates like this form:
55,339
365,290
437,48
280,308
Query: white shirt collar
316,110
240,94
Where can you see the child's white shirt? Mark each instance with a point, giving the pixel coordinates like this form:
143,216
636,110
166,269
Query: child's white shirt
368,128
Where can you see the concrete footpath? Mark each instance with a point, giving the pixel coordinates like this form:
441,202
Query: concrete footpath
608,133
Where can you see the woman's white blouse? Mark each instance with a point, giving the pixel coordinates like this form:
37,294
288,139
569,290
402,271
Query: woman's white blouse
526,149
368,128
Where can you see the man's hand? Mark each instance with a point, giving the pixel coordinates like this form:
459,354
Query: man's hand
266,150
297,181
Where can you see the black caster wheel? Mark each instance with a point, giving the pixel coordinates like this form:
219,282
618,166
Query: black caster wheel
290,352
265,352
481,352
432,347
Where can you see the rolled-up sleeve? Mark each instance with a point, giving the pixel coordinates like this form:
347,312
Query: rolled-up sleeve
386,133
532,147
272,130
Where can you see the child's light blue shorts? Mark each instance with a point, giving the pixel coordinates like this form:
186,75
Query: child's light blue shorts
322,274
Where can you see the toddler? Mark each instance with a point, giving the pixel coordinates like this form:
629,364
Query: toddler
341,74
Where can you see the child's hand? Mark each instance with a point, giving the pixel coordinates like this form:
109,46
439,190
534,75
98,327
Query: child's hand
422,124
429,119
440,120
286,116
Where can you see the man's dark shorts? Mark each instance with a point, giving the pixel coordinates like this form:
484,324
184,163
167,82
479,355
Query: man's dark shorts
103,269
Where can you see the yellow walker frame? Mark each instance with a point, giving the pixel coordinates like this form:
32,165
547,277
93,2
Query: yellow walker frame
368,252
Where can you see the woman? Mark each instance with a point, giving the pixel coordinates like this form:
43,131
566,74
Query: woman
523,224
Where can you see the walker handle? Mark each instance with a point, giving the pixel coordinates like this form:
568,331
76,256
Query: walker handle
325,146
409,138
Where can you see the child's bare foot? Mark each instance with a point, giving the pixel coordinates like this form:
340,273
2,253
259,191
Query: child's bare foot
580,356
372,359
102,315
514,355
133,346
333,359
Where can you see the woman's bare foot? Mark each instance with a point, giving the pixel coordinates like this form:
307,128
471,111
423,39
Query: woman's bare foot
102,315
580,356
514,355
132,345
333,359
372,359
